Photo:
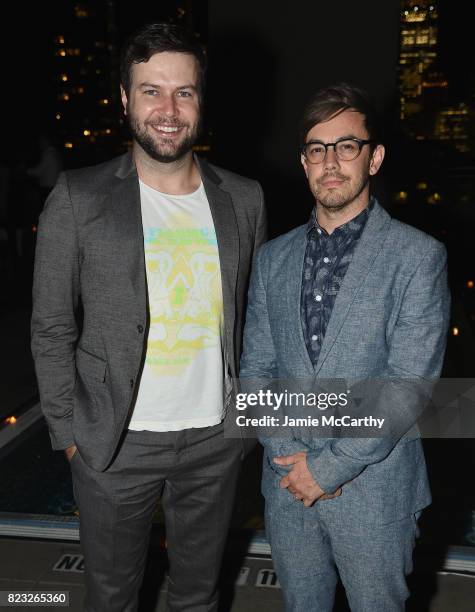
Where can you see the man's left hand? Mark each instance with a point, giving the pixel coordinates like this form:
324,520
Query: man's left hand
300,482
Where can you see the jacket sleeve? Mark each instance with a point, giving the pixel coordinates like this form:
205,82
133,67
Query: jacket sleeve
259,362
258,359
55,300
416,351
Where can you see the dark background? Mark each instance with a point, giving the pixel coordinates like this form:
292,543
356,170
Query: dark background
266,58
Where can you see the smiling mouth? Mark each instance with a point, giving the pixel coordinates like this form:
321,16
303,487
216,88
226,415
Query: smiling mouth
167,129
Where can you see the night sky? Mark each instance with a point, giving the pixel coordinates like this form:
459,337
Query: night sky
26,33
266,58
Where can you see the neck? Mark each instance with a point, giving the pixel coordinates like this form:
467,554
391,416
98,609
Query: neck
175,178
330,219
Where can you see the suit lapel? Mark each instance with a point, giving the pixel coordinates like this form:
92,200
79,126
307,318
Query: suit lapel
368,247
127,217
227,233
294,276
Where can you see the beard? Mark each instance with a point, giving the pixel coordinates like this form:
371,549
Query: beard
339,198
167,150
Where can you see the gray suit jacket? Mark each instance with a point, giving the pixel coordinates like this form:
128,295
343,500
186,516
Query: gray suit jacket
90,260
389,321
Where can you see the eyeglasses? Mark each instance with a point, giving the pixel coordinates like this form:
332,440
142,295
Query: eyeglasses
346,149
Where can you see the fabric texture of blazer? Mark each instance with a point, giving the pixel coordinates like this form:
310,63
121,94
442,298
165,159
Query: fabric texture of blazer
90,312
389,322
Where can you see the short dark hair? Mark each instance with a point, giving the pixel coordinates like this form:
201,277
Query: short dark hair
328,102
158,38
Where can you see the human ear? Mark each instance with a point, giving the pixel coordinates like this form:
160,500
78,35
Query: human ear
376,159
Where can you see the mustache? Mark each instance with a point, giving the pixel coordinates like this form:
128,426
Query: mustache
332,175
168,122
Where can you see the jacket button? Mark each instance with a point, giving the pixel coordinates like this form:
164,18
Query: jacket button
131,382
140,329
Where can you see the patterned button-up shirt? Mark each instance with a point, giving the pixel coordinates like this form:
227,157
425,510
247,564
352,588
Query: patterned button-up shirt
327,258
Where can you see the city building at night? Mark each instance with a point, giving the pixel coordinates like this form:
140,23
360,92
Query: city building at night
418,54
85,81
427,111
85,46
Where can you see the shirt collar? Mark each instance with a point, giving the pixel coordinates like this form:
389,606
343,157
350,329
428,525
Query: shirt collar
354,225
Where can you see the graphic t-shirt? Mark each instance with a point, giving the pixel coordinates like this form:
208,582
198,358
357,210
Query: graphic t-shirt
182,379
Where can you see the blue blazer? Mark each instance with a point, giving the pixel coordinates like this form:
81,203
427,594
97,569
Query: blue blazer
389,321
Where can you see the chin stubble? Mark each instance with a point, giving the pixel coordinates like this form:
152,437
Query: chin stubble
152,149
339,202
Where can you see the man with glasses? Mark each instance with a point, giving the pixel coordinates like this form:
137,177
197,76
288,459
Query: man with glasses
352,295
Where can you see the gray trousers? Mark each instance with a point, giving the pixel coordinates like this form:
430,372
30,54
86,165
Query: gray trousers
194,473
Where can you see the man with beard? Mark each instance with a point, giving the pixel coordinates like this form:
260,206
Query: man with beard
141,272
353,295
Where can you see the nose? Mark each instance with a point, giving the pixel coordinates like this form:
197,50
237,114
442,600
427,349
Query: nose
331,160
169,106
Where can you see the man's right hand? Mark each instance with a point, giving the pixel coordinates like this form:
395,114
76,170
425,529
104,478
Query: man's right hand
69,452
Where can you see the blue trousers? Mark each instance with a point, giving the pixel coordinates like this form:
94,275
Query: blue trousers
311,546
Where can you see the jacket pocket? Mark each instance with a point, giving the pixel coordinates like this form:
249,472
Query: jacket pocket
89,365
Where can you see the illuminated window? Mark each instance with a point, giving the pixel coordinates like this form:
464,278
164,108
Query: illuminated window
71,52
68,145
434,198
87,132
81,11
58,116
401,197
412,17
60,40
104,102
64,77
64,97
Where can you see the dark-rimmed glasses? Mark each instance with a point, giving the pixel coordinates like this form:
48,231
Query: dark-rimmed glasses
346,149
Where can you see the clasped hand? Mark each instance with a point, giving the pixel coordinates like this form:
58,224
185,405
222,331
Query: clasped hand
300,482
